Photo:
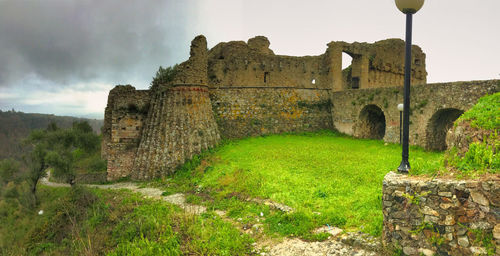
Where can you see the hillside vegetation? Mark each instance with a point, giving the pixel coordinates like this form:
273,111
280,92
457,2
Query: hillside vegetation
80,221
474,143
14,126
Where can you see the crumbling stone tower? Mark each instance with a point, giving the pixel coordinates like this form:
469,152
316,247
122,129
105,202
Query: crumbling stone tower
178,123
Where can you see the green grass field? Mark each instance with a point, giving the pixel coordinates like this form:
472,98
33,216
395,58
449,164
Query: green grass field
327,178
101,222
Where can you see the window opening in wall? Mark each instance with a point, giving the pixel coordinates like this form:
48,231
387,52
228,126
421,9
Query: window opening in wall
346,60
266,77
355,83
313,81
347,79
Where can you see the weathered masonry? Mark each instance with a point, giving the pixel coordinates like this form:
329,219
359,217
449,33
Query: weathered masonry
427,216
239,89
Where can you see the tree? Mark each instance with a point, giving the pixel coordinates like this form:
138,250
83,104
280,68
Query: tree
9,171
59,149
37,164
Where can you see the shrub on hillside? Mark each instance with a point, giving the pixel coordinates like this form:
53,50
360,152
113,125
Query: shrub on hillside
164,76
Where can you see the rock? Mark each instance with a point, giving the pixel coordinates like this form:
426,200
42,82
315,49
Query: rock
449,220
496,232
480,225
463,241
334,231
428,211
479,198
461,231
426,252
409,250
478,251
445,206
485,209
448,236
445,194
431,219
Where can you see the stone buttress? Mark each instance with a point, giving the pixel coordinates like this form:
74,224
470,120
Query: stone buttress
180,121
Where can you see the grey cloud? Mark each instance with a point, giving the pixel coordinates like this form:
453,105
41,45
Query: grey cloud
65,41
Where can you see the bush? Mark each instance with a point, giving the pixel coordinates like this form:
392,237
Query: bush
164,76
480,156
9,171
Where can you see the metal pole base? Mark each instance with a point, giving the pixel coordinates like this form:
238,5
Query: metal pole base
404,167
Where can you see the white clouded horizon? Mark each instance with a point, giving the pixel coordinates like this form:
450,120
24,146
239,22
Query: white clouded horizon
63,56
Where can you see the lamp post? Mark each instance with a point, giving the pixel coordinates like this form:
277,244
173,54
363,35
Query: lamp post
408,7
400,108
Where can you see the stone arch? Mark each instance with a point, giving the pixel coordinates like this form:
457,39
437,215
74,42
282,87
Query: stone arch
438,126
371,123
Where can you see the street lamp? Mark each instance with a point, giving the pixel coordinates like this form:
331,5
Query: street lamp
408,7
400,108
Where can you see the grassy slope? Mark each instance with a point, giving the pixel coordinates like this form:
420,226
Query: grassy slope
338,177
97,222
481,156
485,114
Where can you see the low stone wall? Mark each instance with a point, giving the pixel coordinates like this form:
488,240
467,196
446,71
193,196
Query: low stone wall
441,217
252,111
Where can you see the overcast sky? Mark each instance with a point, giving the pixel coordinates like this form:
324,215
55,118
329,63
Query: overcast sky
63,56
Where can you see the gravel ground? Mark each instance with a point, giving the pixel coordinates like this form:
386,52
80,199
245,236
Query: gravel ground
292,247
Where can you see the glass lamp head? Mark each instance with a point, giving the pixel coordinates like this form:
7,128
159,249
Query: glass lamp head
400,107
409,6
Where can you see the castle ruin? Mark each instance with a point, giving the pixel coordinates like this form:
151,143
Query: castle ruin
239,89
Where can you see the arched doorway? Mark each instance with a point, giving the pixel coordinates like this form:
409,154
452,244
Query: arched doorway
438,126
371,123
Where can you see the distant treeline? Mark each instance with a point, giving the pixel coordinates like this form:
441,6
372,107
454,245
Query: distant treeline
15,126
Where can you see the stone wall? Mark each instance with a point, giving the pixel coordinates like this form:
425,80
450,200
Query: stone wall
253,64
123,121
380,64
244,89
180,125
441,217
250,111
355,111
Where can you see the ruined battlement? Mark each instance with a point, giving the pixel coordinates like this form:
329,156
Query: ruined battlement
239,89
381,64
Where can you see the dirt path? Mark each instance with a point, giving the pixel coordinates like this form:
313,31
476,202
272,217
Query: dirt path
154,193
286,247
